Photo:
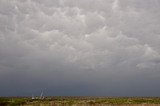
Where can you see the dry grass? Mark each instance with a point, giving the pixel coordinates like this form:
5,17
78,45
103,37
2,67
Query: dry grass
80,101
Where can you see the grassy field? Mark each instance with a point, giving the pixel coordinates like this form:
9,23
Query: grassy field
79,101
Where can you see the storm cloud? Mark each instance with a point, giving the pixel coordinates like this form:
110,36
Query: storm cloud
80,47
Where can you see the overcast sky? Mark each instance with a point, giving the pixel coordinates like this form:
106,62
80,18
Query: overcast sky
80,47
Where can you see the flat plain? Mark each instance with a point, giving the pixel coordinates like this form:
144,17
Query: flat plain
80,101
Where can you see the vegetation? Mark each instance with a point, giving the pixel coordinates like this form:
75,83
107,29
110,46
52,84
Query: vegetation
13,101
76,101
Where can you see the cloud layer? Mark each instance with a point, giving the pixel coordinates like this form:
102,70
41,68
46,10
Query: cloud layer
79,47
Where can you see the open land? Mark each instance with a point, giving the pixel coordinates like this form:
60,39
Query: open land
80,101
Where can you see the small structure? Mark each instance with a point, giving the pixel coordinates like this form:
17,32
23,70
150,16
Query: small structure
33,97
40,97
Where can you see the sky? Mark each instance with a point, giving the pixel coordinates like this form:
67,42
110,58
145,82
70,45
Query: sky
80,47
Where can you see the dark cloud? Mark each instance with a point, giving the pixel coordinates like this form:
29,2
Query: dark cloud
71,47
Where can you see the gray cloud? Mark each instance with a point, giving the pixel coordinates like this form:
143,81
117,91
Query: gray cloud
71,47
